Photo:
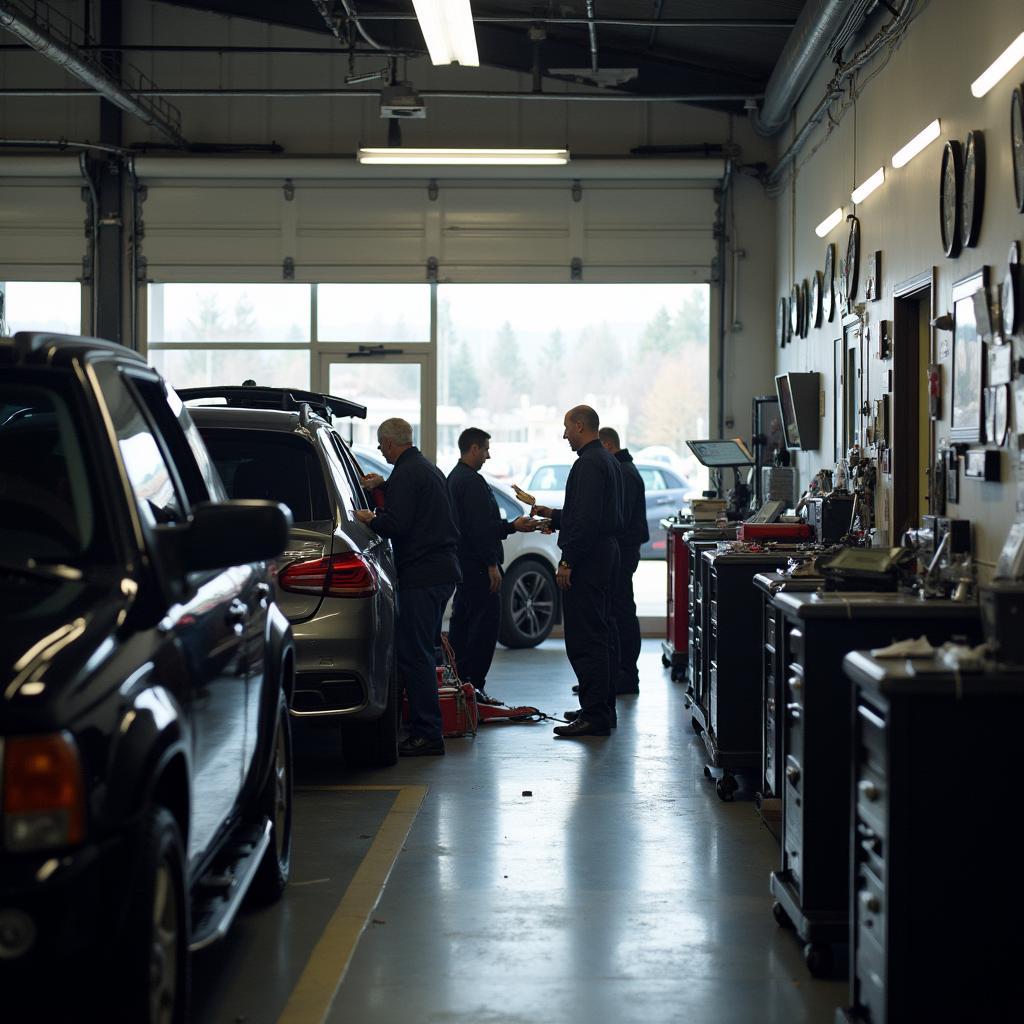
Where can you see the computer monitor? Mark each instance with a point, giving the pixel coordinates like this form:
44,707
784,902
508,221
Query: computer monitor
799,403
721,453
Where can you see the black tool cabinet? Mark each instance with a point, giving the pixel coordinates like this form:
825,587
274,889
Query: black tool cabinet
726,709
811,887
698,542
768,796
937,899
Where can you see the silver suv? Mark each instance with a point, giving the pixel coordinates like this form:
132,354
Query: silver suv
336,578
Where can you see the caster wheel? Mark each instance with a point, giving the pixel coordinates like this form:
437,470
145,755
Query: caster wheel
666,661
818,958
725,788
707,772
782,919
695,725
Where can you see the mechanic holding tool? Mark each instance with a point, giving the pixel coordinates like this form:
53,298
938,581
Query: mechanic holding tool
588,525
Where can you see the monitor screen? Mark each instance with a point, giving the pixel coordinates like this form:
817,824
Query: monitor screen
789,424
721,453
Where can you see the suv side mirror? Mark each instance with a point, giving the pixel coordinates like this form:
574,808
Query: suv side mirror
226,533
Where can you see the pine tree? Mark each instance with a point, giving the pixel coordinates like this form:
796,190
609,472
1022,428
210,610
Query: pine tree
463,385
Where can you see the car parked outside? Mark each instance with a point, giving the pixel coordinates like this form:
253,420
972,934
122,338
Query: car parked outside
145,748
530,603
336,579
666,492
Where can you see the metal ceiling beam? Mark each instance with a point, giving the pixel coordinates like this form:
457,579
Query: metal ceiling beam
594,97
592,32
83,67
688,23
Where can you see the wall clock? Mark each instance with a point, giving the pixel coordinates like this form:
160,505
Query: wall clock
781,322
950,185
816,288
852,262
829,284
805,305
1017,144
972,202
794,312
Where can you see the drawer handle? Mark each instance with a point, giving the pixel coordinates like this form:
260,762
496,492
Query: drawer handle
793,710
869,791
796,683
870,716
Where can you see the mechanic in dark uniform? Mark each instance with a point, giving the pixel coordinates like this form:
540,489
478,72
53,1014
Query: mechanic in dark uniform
635,533
476,611
418,518
588,525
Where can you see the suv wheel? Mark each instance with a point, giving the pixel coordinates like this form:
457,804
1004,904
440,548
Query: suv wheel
151,961
529,602
275,803
374,744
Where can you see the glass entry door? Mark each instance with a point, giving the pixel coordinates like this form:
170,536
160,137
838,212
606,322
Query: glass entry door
388,385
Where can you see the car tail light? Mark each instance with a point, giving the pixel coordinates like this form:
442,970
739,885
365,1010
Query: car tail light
348,575
43,793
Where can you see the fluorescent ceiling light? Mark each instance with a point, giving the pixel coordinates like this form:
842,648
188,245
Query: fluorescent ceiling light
501,157
447,27
834,218
859,194
999,67
916,144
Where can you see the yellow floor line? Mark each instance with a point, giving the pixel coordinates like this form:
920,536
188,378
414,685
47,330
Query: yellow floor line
311,999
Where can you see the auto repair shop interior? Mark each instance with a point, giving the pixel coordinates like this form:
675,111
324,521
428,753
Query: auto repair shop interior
777,247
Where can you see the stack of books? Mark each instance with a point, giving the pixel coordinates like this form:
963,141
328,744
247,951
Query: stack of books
707,511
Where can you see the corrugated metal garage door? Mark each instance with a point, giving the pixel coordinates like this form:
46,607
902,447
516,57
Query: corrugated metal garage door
239,229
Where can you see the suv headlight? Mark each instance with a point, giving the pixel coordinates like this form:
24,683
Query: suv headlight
43,793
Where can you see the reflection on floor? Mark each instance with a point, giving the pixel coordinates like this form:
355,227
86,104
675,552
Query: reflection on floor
621,890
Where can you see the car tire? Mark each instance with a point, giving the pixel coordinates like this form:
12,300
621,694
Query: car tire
529,604
149,965
275,802
374,744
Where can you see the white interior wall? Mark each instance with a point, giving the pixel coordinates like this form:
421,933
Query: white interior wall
929,76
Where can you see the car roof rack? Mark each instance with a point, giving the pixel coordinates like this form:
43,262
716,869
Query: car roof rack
254,396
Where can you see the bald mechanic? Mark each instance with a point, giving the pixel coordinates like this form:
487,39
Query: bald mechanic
418,519
588,524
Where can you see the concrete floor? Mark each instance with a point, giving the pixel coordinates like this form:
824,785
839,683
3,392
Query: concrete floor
622,890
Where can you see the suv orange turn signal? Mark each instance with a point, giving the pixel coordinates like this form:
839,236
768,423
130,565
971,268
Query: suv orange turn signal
43,793
347,575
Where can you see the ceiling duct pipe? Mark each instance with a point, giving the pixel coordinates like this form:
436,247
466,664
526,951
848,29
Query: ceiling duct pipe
67,56
592,29
819,23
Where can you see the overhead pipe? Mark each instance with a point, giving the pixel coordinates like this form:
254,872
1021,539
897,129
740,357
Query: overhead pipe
592,31
64,56
687,23
817,26
350,12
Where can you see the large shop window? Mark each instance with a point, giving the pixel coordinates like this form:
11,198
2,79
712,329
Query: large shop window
53,306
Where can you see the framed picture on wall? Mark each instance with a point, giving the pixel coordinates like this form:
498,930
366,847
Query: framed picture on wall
968,361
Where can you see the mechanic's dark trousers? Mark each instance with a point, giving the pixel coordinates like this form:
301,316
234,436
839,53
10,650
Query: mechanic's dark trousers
586,618
417,633
476,613
627,625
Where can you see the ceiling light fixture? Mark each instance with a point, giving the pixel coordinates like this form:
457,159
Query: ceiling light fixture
447,27
922,139
1000,67
830,222
500,157
861,192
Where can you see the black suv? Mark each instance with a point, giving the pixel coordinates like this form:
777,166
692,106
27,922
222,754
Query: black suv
336,581
145,751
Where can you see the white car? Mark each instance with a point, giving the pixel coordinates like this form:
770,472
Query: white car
530,602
